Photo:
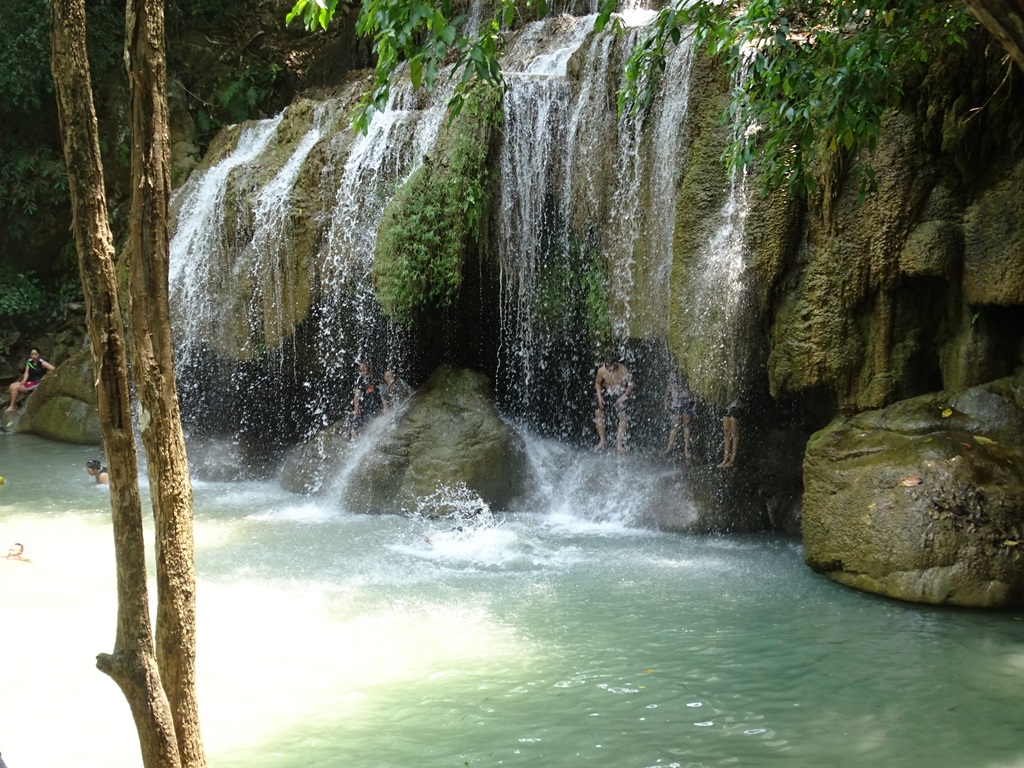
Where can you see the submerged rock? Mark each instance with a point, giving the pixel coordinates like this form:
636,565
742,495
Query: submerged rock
924,500
449,434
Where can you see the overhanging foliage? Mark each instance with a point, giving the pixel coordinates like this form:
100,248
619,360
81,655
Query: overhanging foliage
812,77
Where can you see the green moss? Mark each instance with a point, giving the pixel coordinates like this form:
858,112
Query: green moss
570,297
427,228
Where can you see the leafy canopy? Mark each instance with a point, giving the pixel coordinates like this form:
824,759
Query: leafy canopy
812,77
428,36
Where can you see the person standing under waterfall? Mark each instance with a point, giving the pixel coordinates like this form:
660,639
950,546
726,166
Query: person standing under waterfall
613,381
393,390
679,405
730,434
35,369
366,401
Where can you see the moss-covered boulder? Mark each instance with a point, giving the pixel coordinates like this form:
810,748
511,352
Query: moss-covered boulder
63,406
924,500
449,434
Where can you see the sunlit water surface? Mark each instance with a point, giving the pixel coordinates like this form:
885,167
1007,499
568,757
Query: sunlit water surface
332,639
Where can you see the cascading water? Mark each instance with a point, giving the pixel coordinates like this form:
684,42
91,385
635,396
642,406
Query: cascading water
394,146
267,271
581,230
587,210
198,240
257,283
713,300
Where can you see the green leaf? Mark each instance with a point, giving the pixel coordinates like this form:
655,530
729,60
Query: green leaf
416,71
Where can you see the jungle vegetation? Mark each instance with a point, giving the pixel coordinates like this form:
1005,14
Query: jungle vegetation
813,78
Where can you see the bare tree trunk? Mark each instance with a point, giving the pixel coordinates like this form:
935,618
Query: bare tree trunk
153,366
132,665
1005,20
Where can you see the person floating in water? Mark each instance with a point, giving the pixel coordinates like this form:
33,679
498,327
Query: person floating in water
366,401
681,410
393,390
16,552
35,369
95,468
730,434
613,382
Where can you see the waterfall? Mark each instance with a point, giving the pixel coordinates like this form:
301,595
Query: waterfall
718,290
713,300
273,248
586,209
271,258
268,272
198,239
394,146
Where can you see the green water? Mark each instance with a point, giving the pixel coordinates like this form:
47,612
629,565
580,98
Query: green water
333,639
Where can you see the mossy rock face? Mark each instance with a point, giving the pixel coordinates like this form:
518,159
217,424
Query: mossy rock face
63,406
838,322
450,434
994,255
426,230
924,500
933,249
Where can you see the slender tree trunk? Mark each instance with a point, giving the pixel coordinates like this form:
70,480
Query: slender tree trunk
153,366
1005,20
132,665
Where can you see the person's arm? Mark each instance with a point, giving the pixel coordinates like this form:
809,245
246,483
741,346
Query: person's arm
597,388
48,366
24,375
355,401
629,388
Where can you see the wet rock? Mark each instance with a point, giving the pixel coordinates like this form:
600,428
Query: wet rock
924,500
449,434
63,406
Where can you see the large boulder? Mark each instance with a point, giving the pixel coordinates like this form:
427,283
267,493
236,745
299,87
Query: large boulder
449,434
924,500
63,406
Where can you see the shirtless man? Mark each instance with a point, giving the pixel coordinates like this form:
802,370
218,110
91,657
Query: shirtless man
613,381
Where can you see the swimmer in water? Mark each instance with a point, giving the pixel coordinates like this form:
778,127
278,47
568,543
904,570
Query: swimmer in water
96,469
16,552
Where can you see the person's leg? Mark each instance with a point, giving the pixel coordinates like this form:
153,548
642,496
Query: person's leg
730,427
620,439
599,423
686,435
725,441
735,439
16,389
672,431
